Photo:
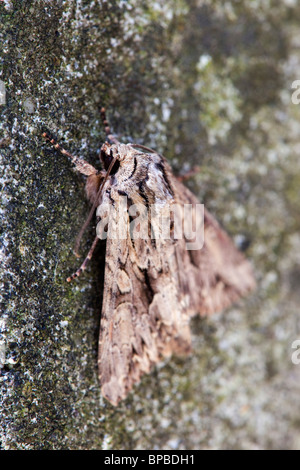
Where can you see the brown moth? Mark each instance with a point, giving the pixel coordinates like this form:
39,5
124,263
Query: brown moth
152,286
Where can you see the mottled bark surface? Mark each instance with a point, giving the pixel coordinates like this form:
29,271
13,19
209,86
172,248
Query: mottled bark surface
203,82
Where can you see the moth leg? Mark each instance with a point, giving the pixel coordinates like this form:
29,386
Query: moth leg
108,133
81,165
193,171
84,264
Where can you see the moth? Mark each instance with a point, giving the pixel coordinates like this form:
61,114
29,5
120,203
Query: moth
152,286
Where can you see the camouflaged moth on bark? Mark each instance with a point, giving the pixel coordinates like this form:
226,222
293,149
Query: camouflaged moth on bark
152,287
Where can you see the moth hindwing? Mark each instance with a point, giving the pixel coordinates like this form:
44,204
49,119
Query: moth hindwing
158,273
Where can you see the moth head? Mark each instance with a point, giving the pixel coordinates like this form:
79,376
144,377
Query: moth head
108,153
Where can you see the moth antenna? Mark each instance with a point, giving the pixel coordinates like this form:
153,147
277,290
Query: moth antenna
107,129
96,203
84,264
81,165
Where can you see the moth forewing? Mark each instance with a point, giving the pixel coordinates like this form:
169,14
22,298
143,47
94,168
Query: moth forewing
193,226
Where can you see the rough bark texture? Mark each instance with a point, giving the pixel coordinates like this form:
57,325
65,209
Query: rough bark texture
204,82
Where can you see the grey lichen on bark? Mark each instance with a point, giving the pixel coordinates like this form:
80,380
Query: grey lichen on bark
204,82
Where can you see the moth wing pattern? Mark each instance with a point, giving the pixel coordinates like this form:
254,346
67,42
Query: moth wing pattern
152,288
152,285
